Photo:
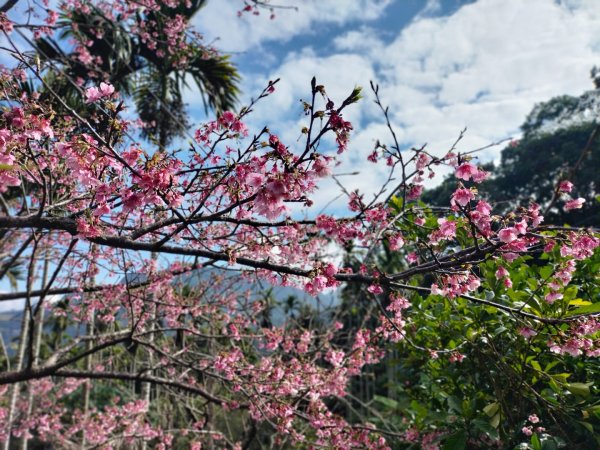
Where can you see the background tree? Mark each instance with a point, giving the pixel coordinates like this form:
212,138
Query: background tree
560,141
154,66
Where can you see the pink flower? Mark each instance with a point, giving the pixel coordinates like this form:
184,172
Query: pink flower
553,296
574,204
131,156
254,179
239,127
106,89
396,242
375,289
565,186
456,357
527,431
527,332
321,167
501,273
521,227
447,228
462,197
93,94
414,192
465,171
480,176
412,258
335,357
277,188
507,235
330,270
227,118
533,418
422,160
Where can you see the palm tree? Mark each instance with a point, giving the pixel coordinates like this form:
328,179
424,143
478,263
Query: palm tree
137,69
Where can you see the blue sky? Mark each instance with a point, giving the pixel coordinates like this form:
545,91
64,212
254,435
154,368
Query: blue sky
442,65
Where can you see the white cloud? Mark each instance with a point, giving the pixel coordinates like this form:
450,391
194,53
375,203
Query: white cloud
432,7
483,67
11,305
339,73
218,20
364,39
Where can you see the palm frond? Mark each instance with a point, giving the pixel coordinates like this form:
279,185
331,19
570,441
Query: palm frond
160,106
218,80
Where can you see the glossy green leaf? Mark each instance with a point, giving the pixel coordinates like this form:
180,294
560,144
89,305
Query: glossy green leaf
535,442
581,389
491,409
456,441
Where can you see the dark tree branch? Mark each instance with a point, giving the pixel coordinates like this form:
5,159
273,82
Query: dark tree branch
9,4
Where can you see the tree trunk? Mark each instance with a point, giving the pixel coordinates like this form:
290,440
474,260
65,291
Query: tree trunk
14,390
37,340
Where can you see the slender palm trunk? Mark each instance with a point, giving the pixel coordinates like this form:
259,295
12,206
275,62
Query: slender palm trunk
87,387
15,388
37,340
26,322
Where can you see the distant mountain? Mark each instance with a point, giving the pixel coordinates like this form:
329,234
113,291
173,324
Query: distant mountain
10,327
286,301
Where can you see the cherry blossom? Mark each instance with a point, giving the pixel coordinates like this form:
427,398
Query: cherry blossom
164,256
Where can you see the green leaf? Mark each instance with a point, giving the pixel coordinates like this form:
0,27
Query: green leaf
535,442
588,426
591,309
485,427
388,402
491,409
581,389
456,441
549,444
546,271
561,377
455,404
536,365
354,96
495,421
579,302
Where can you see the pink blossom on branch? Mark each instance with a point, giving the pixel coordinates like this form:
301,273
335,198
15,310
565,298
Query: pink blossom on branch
574,204
100,206
465,171
565,186
462,197
93,94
